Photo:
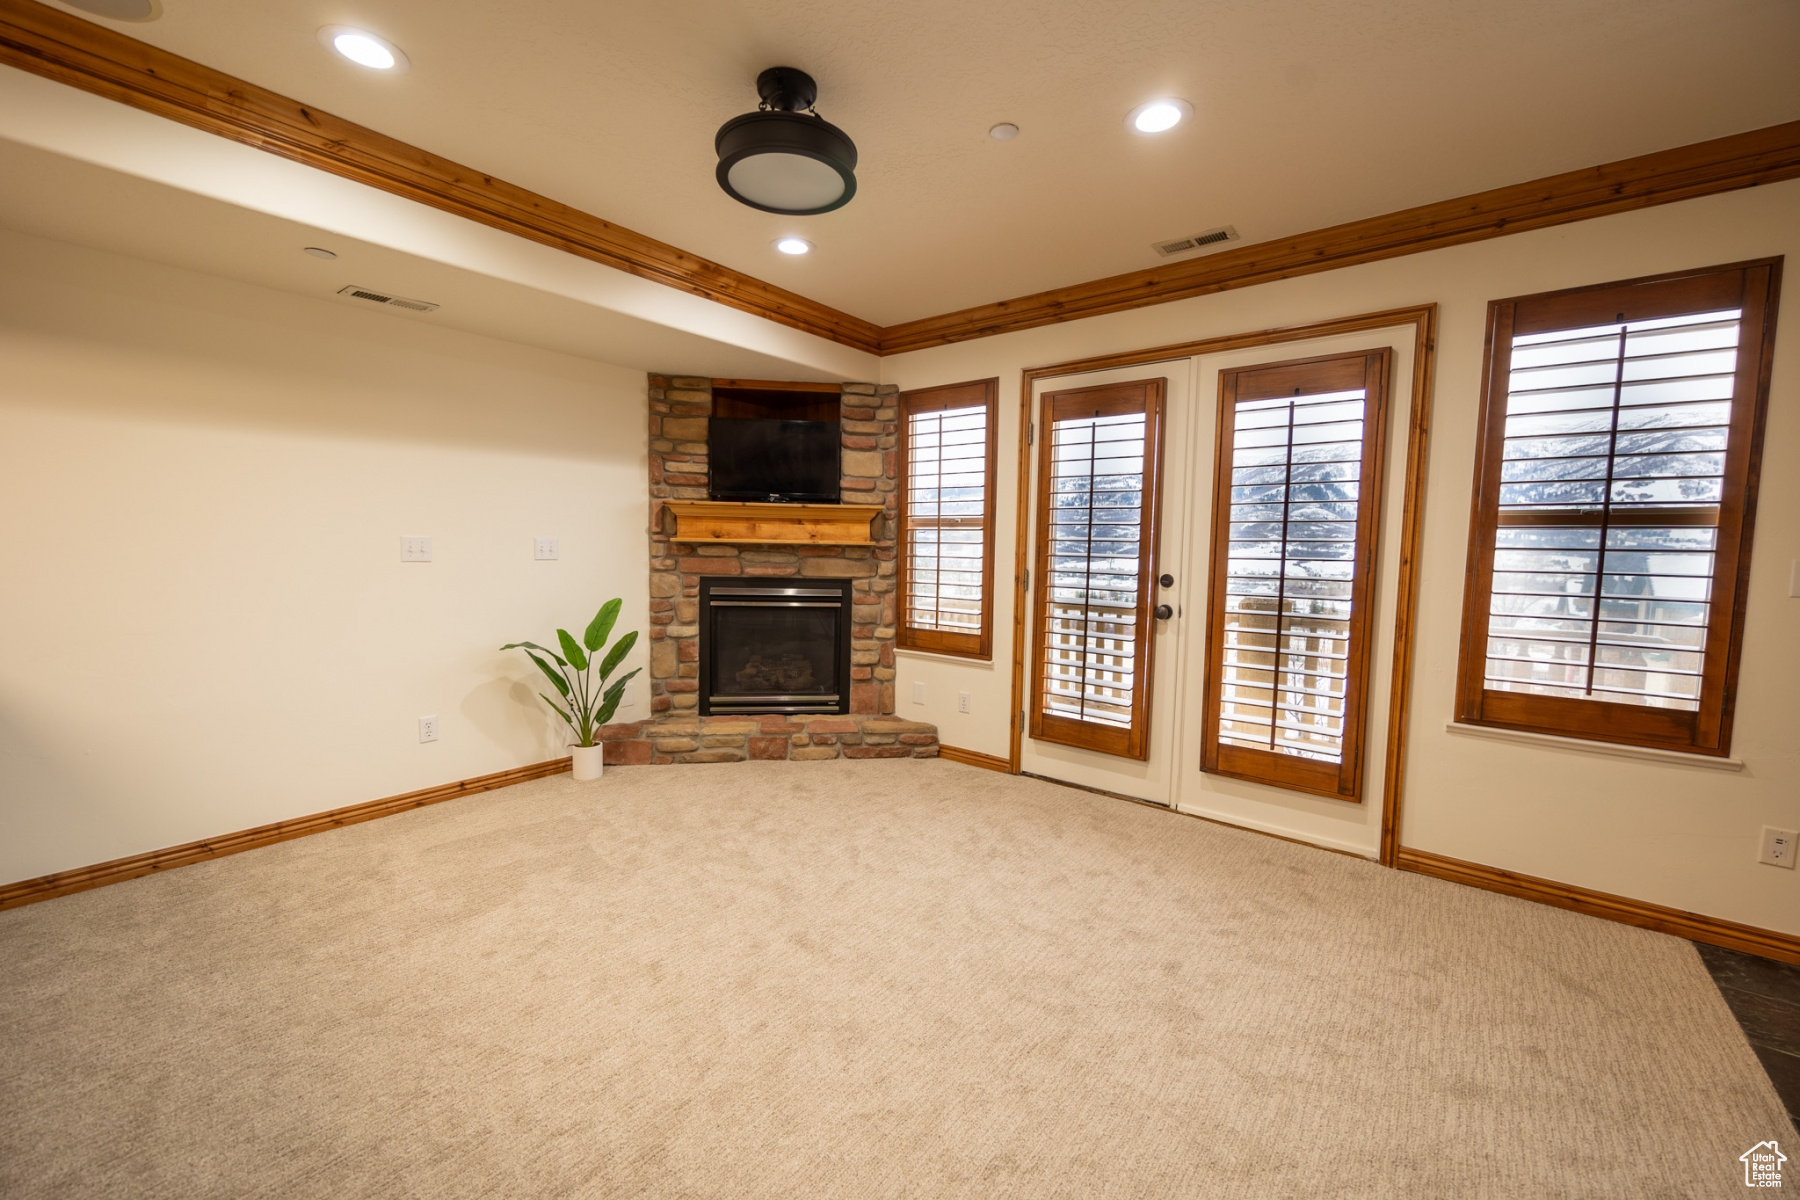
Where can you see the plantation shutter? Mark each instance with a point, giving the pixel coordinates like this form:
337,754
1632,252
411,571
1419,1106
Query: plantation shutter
946,544
1098,487
1617,482
1295,516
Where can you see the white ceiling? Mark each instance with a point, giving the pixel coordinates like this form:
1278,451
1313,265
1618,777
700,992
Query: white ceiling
1307,113
82,169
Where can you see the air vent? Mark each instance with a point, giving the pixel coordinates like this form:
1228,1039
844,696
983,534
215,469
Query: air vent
1224,233
362,293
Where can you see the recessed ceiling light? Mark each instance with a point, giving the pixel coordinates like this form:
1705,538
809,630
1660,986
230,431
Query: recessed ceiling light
794,245
320,252
1006,131
1159,116
365,49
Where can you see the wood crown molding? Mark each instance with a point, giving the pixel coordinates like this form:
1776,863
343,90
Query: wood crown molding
63,47
63,883
1714,931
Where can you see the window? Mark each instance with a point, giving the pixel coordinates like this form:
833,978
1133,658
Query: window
1295,516
947,519
1098,484
1621,431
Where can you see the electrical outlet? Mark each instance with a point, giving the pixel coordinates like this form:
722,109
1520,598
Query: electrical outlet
962,702
544,549
414,548
428,729
1777,847
918,691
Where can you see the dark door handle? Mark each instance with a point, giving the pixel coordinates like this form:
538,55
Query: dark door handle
1164,612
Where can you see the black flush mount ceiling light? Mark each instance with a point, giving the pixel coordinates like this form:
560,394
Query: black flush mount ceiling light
784,157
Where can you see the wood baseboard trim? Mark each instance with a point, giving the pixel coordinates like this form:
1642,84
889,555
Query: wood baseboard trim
58,45
63,883
975,758
1714,931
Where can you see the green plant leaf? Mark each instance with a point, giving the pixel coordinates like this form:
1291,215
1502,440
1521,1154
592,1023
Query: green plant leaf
534,646
572,648
555,677
609,703
617,654
601,625
557,709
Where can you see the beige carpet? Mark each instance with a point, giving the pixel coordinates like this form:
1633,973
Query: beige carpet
852,979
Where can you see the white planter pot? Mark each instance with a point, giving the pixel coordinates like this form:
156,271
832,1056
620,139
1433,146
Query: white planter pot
588,761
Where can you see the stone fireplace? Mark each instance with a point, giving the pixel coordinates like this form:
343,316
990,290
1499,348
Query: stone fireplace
869,420
708,564
770,646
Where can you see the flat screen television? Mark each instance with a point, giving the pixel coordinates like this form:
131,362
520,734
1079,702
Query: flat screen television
768,459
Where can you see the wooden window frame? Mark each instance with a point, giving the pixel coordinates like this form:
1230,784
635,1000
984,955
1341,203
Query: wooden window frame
1132,742
1344,779
938,641
1754,287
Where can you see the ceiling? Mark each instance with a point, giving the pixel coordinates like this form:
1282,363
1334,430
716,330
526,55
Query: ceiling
1307,113
51,195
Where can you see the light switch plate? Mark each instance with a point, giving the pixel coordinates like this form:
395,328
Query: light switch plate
918,691
415,548
1777,847
544,549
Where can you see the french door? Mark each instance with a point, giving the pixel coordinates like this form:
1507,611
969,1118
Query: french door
1265,460
1098,506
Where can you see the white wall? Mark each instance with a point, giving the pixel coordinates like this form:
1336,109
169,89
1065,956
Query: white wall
205,624
1670,834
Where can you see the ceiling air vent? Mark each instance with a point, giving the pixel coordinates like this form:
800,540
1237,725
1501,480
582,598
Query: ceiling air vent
1224,233
362,293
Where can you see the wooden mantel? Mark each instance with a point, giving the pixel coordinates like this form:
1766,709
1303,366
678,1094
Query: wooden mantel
747,522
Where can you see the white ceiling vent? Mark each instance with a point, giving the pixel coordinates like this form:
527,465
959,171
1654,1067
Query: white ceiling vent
392,301
1212,237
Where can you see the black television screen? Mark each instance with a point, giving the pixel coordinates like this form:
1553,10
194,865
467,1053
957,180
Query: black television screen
768,459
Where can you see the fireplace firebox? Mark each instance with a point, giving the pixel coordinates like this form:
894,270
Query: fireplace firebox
774,648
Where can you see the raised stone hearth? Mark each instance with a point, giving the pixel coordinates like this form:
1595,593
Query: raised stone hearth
687,738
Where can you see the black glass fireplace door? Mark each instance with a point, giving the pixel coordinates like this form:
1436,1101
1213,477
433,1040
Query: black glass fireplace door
774,649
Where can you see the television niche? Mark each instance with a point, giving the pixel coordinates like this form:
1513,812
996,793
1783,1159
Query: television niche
779,445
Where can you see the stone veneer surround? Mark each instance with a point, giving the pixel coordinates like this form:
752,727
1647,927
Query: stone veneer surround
679,408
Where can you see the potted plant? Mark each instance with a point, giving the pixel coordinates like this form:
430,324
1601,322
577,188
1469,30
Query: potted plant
587,705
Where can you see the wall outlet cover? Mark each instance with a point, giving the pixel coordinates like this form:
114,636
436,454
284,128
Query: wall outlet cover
1777,847
428,731
415,548
962,702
